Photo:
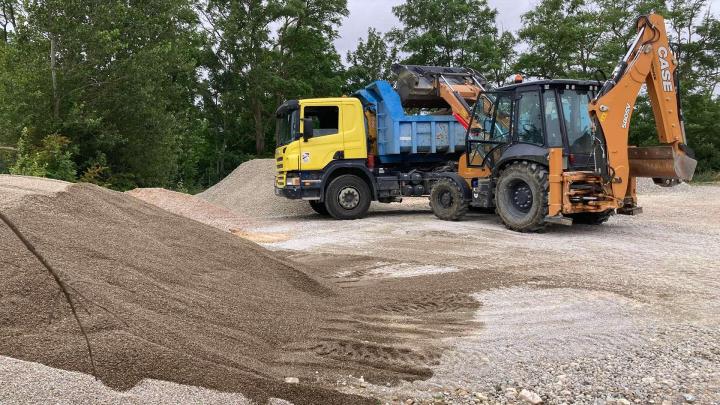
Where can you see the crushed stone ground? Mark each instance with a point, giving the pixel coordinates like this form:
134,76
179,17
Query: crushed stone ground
626,311
429,311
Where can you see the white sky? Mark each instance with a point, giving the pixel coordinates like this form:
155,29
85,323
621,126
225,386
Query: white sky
378,14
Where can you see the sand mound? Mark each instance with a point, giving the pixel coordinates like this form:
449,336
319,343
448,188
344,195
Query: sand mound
160,296
249,191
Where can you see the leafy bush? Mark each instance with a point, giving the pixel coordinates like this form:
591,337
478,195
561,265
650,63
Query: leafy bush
97,171
53,158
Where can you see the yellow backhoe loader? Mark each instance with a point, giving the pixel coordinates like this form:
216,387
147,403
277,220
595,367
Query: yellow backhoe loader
556,151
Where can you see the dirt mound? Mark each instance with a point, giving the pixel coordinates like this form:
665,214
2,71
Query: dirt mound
249,191
160,297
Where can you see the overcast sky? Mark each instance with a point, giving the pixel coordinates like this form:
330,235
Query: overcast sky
378,14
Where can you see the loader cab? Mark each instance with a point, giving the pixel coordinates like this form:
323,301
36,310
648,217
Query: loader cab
521,121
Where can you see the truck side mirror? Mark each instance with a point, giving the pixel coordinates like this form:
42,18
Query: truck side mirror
308,129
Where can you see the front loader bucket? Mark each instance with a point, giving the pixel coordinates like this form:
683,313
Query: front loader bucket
661,162
419,86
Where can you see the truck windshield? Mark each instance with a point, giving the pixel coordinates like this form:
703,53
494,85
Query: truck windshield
577,120
288,124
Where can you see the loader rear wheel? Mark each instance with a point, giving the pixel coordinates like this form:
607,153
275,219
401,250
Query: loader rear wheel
319,207
521,196
592,218
347,197
447,200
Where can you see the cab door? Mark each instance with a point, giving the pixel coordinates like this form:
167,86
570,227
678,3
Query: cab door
491,130
327,139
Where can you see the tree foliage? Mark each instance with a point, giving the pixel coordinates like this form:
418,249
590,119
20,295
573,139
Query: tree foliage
177,93
371,60
453,33
53,158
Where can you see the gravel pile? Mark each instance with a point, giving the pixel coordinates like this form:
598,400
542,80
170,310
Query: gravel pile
647,186
249,191
189,206
160,296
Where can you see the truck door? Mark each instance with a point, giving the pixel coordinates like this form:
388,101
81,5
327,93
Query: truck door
327,140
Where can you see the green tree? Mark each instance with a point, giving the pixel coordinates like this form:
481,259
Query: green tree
8,18
53,158
239,72
114,77
562,37
371,60
453,33
306,59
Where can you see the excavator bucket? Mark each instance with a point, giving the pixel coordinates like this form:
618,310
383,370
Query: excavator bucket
661,162
419,86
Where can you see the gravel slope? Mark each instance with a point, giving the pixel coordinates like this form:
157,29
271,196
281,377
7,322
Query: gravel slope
250,191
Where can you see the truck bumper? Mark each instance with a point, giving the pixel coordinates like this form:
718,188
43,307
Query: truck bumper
300,192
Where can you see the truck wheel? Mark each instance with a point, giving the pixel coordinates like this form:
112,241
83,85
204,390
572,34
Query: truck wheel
591,218
447,200
319,207
347,197
521,196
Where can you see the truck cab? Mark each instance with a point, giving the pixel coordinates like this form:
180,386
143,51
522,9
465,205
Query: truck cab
316,137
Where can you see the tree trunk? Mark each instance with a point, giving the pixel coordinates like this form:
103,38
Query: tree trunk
259,128
53,74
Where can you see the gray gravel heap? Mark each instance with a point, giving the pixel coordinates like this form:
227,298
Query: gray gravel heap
250,191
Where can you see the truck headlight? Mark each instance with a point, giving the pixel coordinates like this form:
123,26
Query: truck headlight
293,181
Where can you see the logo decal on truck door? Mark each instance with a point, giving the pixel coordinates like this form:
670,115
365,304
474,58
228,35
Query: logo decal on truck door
306,157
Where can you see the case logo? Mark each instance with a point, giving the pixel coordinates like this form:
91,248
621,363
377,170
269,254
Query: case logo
626,117
665,69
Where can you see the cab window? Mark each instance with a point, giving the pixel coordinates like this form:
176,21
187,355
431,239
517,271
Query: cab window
552,119
530,125
287,126
577,121
326,119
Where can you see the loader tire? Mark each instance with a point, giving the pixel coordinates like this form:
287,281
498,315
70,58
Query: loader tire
348,197
521,196
320,208
591,218
447,200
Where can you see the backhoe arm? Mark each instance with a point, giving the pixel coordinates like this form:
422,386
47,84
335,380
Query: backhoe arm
650,61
